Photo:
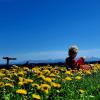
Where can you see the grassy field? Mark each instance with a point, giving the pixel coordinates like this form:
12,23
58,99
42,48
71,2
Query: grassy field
49,83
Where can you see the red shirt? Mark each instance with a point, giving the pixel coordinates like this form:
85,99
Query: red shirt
80,61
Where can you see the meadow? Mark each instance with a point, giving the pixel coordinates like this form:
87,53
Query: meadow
49,83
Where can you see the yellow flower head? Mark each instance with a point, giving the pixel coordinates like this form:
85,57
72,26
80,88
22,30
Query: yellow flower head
68,73
9,84
1,84
39,74
57,85
21,83
78,77
68,78
35,96
36,85
7,78
26,68
88,72
47,79
81,91
1,74
45,88
28,80
52,75
21,79
46,72
21,73
21,91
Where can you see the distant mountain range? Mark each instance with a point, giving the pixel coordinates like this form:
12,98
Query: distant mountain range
87,59
62,60
47,61
92,59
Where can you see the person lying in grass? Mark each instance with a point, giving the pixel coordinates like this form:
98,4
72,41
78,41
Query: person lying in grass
71,63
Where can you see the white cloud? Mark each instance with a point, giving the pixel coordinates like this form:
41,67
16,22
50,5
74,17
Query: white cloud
92,52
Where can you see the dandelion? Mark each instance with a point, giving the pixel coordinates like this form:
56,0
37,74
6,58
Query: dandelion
36,97
2,75
81,91
78,77
45,88
56,71
68,78
36,85
88,72
46,72
21,83
68,72
7,78
21,79
26,68
21,91
21,73
39,74
56,85
53,79
9,84
52,75
47,79
1,84
28,80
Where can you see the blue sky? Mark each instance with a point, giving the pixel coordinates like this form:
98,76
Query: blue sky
43,29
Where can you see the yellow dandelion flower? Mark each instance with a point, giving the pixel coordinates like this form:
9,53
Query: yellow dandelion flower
36,69
2,75
81,91
45,88
7,78
57,85
68,73
29,80
3,69
78,77
39,74
46,72
1,84
88,72
68,78
47,79
21,91
52,75
26,68
9,75
36,85
21,79
58,76
21,73
21,83
9,84
56,71
35,96
53,79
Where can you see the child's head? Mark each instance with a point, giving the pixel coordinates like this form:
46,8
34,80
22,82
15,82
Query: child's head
73,50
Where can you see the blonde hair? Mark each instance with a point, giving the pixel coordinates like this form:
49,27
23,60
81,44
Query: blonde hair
73,48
